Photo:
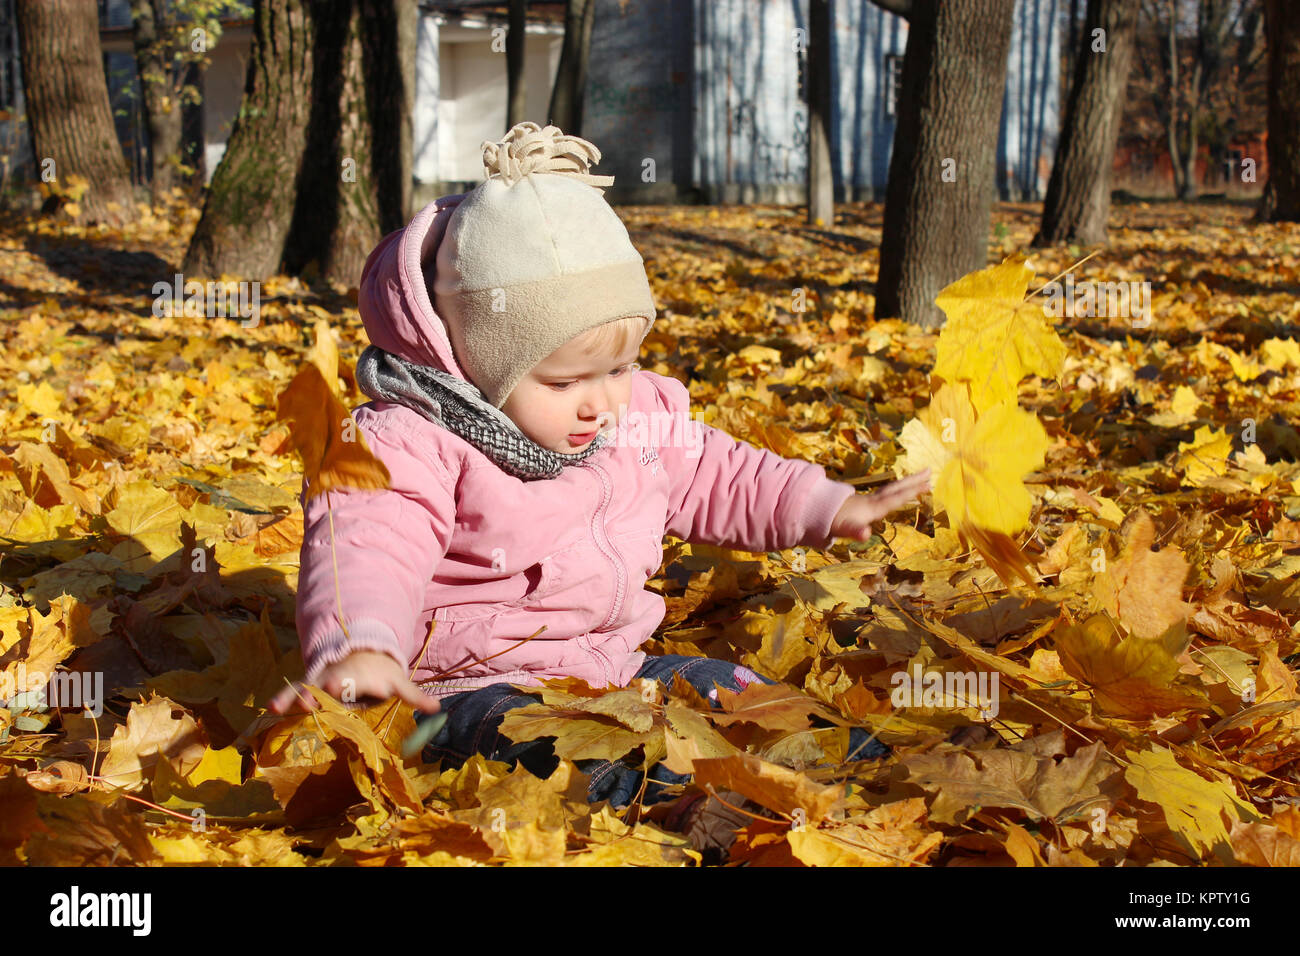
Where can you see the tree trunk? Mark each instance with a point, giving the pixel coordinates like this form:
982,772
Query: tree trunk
1078,193
516,92
67,106
161,107
408,38
1175,114
567,94
941,172
1187,185
250,203
1282,28
351,189
821,181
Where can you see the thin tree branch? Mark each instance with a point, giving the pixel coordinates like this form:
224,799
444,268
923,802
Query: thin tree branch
899,8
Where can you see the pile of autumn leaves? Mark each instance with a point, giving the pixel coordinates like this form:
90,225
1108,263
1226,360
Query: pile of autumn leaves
1118,737
1119,664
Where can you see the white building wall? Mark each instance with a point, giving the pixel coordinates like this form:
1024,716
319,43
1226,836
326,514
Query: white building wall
469,103
425,123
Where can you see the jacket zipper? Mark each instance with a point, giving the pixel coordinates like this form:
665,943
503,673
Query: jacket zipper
600,657
607,548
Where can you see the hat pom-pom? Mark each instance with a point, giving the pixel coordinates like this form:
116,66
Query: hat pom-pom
528,148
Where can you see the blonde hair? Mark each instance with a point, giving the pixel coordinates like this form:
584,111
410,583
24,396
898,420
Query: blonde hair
613,337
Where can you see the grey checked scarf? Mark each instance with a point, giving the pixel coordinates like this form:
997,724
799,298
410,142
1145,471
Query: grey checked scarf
460,407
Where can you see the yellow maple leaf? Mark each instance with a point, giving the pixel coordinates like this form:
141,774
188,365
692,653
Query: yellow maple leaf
225,764
149,734
1131,677
1243,367
1193,806
1184,404
993,338
150,519
1277,354
579,736
978,461
1206,455
40,398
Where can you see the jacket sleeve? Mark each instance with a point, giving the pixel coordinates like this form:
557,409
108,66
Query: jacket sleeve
731,494
386,545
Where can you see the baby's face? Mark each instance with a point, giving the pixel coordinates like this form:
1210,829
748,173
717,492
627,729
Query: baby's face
569,396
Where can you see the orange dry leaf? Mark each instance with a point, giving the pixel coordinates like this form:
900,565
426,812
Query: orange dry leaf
1144,588
892,835
1130,676
153,730
333,450
769,785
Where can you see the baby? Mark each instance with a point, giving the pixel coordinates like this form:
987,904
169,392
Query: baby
528,499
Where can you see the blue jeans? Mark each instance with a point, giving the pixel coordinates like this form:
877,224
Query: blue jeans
474,718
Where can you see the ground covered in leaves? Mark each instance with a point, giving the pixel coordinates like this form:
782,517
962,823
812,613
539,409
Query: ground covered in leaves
1148,709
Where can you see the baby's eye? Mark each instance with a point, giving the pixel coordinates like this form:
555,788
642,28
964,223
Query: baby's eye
560,386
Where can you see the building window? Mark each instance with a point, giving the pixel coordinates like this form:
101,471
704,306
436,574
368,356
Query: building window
893,82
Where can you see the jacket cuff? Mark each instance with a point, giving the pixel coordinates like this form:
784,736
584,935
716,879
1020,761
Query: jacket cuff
368,634
820,507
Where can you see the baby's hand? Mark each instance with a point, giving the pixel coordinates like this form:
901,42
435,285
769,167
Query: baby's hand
855,516
371,673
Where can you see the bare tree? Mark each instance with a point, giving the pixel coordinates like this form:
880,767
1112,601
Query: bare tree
941,171
821,182
1078,193
516,92
1192,78
356,171
251,199
1282,196
169,38
318,167
565,110
68,109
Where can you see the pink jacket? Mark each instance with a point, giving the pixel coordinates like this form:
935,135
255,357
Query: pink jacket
490,558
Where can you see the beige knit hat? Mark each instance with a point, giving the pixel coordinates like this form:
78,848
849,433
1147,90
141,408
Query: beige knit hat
532,257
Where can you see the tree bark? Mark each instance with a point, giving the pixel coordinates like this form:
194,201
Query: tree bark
67,106
516,92
1078,192
568,93
250,203
1282,28
161,107
941,172
1171,55
351,189
821,181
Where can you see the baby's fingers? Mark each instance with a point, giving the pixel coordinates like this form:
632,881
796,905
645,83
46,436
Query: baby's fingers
416,697
905,489
287,698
